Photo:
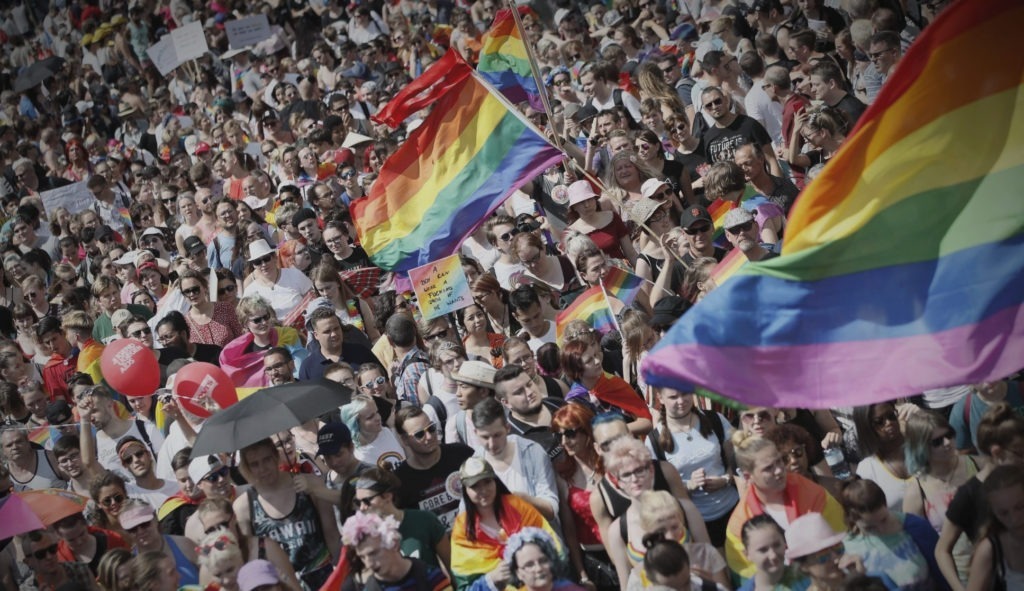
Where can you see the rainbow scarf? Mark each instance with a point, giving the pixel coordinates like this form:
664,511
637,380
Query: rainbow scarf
902,268
504,62
467,157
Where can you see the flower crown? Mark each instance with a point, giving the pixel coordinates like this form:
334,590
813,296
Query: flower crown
364,525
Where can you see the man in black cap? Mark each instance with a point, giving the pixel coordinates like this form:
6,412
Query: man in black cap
699,233
308,226
195,254
335,446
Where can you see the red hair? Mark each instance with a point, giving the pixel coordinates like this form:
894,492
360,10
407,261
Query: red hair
574,416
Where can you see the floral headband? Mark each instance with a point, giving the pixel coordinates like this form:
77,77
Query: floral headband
361,526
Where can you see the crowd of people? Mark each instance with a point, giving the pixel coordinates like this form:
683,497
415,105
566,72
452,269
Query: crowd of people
205,213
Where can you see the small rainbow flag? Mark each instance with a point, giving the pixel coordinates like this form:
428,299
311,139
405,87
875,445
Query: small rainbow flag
622,284
125,216
590,306
902,269
466,158
39,435
717,211
728,266
504,62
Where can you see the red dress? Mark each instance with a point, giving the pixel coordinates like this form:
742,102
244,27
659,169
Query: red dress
220,331
609,238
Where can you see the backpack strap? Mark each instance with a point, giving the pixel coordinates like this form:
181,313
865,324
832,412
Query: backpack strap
654,439
439,408
145,435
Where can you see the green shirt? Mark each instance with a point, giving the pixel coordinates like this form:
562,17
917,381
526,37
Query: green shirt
421,532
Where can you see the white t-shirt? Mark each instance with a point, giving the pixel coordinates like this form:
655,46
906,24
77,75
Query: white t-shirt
106,448
549,337
872,468
384,451
629,101
153,497
765,111
505,273
174,443
284,295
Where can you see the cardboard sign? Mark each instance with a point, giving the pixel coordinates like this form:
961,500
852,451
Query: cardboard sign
189,42
75,197
163,56
441,287
247,31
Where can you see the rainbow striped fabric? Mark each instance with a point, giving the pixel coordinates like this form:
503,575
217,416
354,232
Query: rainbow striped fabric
504,61
622,284
469,154
728,266
903,264
590,306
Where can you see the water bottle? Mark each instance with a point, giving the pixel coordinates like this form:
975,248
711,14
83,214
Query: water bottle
837,462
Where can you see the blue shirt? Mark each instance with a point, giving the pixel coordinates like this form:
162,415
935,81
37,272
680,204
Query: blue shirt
353,354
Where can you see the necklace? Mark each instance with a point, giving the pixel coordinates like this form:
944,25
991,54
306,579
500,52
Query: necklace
686,428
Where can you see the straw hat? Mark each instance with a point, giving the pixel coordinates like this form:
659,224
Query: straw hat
476,373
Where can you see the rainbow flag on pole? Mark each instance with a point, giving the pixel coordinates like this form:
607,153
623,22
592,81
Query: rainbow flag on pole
622,284
590,306
469,154
903,265
504,61
728,266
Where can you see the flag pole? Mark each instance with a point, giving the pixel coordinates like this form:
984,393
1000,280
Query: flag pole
535,69
608,303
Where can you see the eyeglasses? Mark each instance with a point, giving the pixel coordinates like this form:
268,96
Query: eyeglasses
365,501
762,416
541,563
375,383
947,436
422,433
642,146
230,288
44,552
635,474
276,367
260,319
680,128
191,292
878,54
889,417
567,433
667,69
217,475
138,334
824,556
436,335
737,230
112,500
718,102
697,229
508,235
127,459
262,260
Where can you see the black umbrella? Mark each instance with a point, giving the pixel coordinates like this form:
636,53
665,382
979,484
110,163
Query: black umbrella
32,76
267,412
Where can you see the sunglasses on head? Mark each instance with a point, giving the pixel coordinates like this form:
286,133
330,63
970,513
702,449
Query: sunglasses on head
737,230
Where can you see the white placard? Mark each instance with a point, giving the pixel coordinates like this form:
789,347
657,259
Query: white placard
189,42
163,56
75,197
247,31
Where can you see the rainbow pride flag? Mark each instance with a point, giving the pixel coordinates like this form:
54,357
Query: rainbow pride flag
728,266
903,265
622,284
590,306
504,62
717,211
469,154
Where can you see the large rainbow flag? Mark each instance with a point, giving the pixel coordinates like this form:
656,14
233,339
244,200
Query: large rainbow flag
903,264
469,154
591,307
504,62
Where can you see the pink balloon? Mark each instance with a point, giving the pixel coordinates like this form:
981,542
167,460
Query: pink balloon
130,367
203,388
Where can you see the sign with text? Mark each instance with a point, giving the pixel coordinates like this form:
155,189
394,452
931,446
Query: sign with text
189,42
75,197
247,31
441,287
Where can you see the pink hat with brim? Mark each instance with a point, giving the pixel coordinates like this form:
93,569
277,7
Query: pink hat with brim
808,534
580,191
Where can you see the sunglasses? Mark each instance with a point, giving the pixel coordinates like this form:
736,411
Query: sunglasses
142,332
365,501
697,229
217,475
797,81
889,417
375,383
762,416
347,174
718,102
508,235
422,433
112,500
226,289
219,544
947,436
260,319
44,552
436,335
568,433
737,230
262,261
192,291
127,459
217,527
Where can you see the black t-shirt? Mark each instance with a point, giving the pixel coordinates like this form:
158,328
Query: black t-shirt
356,260
783,193
968,508
207,353
720,143
436,489
851,108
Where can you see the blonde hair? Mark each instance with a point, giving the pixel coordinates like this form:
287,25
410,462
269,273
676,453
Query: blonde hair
251,306
219,546
623,450
655,506
747,446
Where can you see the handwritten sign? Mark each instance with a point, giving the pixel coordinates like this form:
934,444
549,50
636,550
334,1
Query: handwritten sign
441,287
75,197
189,42
163,56
247,31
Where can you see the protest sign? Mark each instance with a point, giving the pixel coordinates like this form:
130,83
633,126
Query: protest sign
189,42
247,31
441,287
163,56
75,197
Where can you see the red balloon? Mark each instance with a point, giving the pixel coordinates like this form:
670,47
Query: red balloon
203,388
130,367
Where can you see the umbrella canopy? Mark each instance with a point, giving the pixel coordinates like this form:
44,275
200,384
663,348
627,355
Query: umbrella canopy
16,517
51,504
266,412
32,76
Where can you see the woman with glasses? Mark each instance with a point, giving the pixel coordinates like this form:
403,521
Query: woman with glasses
209,323
423,534
374,443
218,518
227,287
350,308
242,358
797,446
344,254
815,550
534,564
555,271
773,490
823,129
108,494
881,442
900,545
937,468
